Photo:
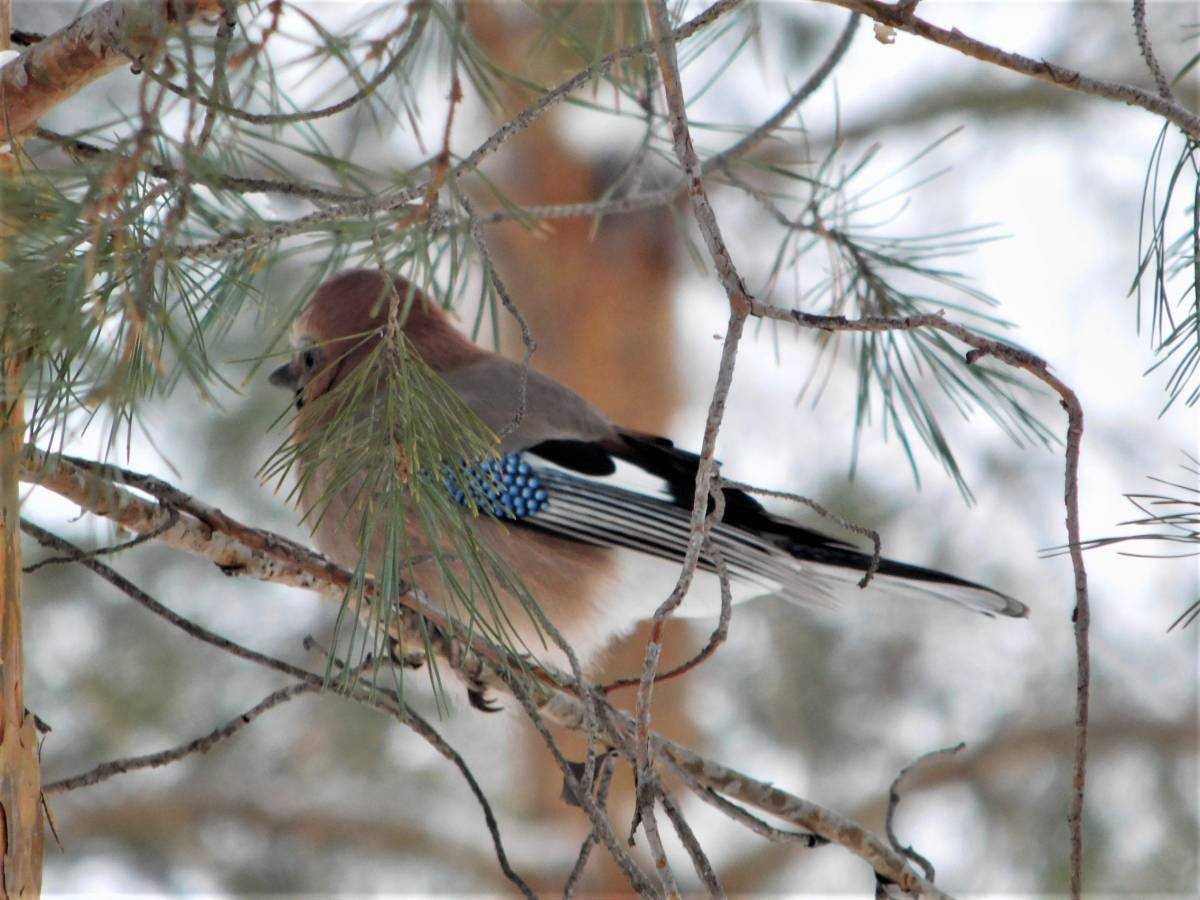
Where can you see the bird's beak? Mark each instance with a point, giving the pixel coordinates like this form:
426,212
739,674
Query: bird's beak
283,378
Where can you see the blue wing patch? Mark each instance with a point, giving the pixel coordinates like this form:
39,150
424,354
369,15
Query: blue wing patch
506,488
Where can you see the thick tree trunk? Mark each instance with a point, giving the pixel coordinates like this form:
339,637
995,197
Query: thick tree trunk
20,769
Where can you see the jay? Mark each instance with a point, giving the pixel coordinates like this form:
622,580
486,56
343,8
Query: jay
597,555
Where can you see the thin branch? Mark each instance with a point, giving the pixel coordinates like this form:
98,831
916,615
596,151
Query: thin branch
894,802
596,815
806,90
1059,76
493,276
869,533
1143,42
103,551
131,590
707,469
408,717
824,823
203,744
658,853
740,815
607,767
719,633
687,837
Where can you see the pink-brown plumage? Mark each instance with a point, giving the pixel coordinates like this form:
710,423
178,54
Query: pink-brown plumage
348,313
344,321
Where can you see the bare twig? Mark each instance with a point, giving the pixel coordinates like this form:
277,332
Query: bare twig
706,470
1060,76
607,767
806,90
826,824
870,533
719,633
740,815
687,837
649,821
388,702
894,801
131,590
822,822
1143,41
581,791
493,276
104,551
203,744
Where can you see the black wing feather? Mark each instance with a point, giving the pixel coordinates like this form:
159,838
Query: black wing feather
677,470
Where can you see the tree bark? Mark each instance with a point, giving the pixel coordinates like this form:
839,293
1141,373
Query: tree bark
118,33
20,769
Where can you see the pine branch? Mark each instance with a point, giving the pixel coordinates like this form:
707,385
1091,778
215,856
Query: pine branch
381,700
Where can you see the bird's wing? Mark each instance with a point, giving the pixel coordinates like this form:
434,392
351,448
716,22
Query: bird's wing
526,407
564,487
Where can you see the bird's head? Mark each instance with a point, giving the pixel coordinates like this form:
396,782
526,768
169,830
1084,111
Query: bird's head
344,321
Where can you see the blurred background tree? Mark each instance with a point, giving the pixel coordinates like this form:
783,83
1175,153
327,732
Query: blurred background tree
172,220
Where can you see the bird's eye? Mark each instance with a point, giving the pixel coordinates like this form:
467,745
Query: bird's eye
310,359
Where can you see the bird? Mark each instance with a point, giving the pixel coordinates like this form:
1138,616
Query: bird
593,519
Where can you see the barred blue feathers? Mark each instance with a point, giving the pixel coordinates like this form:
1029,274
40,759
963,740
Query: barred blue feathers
505,488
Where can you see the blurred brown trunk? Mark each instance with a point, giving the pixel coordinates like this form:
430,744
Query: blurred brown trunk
600,308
